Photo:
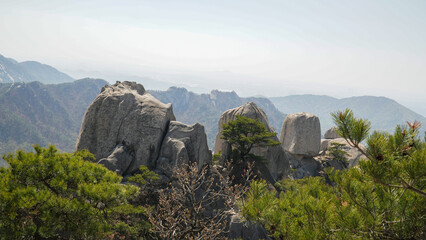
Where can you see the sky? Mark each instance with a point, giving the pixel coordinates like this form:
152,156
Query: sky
270,48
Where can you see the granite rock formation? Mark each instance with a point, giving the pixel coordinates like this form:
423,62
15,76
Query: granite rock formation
331,133
301,134
183,144
124,127
353,153
277,163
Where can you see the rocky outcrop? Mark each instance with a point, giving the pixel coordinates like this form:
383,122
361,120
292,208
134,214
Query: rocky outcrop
183,144
303,166
301,134
301,138
124,127
331,133
119,160
239,229
353,153
277,163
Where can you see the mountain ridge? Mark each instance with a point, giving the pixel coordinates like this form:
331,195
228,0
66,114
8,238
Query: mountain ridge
206,108
384,113
35,113
12,71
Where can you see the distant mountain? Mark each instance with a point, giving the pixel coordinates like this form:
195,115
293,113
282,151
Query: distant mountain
384,113
29,71
206,109
34,113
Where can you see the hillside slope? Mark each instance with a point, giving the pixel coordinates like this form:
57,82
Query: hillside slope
34,113
384,113
29,71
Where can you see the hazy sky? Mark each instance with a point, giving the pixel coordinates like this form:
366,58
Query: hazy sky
339,48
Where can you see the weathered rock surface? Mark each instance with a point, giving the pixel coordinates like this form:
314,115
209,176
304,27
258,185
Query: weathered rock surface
353,154
246,230
125,127
277,163
301,134
183,144
331,133
303,166
119,160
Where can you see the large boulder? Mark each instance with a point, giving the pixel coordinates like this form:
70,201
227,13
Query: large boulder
183,144
124,127
331,133
277,163
301,134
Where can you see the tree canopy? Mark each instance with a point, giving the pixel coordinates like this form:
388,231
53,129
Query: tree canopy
245,133
50,195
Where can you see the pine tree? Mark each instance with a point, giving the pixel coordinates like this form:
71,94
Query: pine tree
52,195
381,198
245,133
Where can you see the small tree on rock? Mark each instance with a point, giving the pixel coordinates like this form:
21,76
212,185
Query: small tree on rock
244,134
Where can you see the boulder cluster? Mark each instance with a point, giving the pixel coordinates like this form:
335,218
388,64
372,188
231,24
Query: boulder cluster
126,127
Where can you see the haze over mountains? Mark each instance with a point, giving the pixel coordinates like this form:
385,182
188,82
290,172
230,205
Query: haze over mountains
34,113
28,71
206,109
50,111
384,113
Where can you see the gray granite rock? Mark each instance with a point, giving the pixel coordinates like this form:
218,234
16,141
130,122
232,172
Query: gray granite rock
331,133
125,115
353,154
301,134
277,163
246,230
183,144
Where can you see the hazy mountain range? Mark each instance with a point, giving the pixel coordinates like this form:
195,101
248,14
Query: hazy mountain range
384,113
206,109
34,113
44,113
12,71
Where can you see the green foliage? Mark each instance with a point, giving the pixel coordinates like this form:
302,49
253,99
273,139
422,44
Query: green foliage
244,134
379,211
396,161
144,176
353,129
306,209
381,198
52,195
336,152
216,157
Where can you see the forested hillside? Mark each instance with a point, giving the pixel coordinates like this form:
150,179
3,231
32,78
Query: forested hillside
34,113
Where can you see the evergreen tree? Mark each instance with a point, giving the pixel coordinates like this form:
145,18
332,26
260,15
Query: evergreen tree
52,195
395,161
245,133
381,198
